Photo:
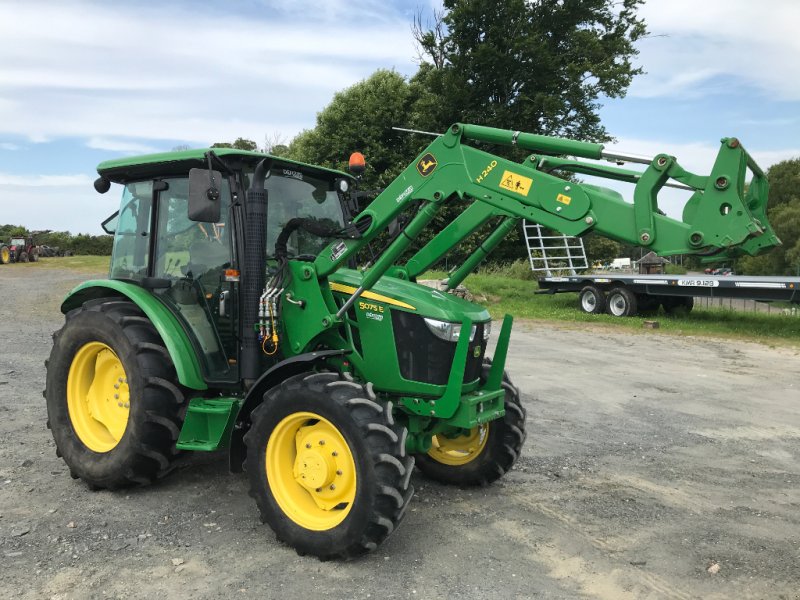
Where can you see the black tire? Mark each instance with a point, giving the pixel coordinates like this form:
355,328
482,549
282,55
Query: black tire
647,304
621,302
34,256
502,449
146,450
677,304
376,443
592,300
22,257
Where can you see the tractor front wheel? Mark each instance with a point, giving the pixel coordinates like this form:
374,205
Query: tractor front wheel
113,403
22,257
485,453
5,255
327,465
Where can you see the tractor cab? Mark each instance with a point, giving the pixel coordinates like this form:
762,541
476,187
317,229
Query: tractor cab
194,266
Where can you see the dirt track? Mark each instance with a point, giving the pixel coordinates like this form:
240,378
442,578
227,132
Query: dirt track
649,459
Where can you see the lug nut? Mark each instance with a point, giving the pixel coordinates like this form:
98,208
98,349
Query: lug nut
116,396
319,490
322,442
333,487
339,472
334,453
119,404
116,386
308,445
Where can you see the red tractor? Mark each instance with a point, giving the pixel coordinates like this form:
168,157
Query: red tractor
20,249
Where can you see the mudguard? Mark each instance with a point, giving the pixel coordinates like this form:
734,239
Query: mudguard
255,395
169,328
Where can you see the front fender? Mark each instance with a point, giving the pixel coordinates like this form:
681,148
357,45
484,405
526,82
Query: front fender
255,395
169,328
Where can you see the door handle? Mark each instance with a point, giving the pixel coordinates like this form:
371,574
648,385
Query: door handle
223,303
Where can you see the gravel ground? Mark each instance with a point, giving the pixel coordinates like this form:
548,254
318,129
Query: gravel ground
655,467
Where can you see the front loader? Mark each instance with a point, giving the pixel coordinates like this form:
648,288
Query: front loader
238,314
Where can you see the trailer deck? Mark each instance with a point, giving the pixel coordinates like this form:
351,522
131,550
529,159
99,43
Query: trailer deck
601,290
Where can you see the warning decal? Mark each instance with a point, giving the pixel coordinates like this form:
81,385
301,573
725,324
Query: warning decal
563,199
516,183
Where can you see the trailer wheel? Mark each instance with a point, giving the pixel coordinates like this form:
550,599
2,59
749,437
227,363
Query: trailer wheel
647,304
113,403
592,300
677,304
486,453
327,465
621,302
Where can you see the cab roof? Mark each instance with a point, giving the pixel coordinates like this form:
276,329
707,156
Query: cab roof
121,170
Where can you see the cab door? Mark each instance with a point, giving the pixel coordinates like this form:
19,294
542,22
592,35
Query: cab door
197,258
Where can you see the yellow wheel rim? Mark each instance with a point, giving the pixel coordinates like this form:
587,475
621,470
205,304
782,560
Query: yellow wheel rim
459,450
311,471
98,397
5,255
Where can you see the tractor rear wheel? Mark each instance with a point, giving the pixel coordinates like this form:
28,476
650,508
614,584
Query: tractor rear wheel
483,455
327,465
113,402
5,255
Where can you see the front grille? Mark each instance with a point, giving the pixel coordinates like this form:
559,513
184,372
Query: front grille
426,358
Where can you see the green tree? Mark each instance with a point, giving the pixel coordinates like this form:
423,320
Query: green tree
783,213
360,118
537,66
239,144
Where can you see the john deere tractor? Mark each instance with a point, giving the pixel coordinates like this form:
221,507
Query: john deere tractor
252,306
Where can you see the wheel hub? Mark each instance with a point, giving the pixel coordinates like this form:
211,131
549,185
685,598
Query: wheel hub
314,469
311,471
462,449
98,397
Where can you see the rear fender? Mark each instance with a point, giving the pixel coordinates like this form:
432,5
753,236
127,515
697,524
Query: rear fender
169,328
255,395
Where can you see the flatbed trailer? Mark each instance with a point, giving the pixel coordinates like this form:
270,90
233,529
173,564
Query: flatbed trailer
627,295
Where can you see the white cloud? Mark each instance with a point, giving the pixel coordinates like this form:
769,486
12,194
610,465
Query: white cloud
8,146
74,208
693,42
116,145
7,179
112,70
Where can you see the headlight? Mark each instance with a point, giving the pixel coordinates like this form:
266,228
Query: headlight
449,332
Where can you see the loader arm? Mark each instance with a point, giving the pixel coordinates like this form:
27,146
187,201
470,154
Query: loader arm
723,216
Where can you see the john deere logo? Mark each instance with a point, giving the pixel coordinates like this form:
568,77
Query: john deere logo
426,164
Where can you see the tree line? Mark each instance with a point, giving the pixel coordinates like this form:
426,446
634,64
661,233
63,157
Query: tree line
98,245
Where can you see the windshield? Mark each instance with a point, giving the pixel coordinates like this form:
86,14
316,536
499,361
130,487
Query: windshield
18,241
293,194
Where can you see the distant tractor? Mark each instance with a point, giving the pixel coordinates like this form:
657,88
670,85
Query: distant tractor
21,250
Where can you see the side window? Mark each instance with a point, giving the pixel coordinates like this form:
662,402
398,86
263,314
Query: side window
185,248
293,195
129,257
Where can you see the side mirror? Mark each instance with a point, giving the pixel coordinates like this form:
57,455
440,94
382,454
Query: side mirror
204,194
102,184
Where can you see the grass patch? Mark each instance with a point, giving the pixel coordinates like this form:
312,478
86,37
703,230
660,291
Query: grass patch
502,294
84,264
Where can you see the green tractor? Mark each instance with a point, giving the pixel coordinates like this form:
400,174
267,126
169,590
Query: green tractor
249,307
